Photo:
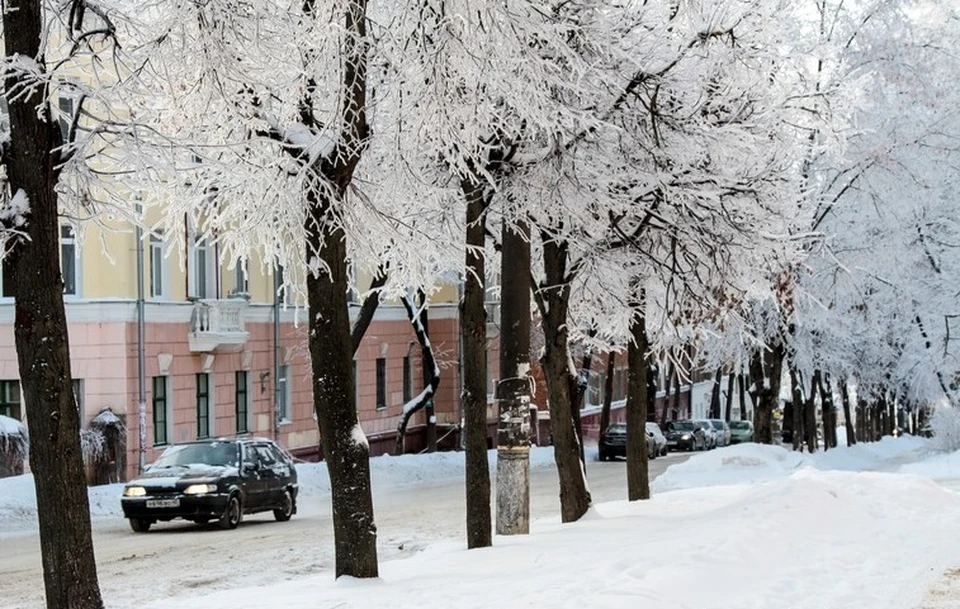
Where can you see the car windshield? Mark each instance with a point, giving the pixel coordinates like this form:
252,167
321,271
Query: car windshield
718,424
653,427
740,425
617,429
212,453
680,426
702,424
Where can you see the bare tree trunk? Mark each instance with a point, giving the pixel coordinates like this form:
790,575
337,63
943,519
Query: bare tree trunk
796,411
431,374
677,395
578,392
638,475
607,392
810,414
553,300
40,324
731,378
368,309
715,395
671,381
743,397
513,390
828,413
765,371
473,341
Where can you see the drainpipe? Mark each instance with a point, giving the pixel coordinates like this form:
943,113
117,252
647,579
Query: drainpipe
141,359
276,352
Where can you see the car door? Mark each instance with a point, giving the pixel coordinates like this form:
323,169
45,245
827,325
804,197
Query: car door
269,476
252,476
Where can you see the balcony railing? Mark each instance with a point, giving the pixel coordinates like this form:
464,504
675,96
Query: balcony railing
217,325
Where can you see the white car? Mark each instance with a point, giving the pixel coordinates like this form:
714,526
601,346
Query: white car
721,430
660,440
708,432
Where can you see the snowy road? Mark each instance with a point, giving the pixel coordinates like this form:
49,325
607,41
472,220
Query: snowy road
176,559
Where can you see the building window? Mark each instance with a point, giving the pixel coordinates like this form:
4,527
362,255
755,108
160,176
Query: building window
283,401
10,399
243,401
202,269
241,283
68,259
66,104
157,288
407,379
160,418
381,383
203,405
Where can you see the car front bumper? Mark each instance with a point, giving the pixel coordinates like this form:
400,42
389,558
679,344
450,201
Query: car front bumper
682,444
189,507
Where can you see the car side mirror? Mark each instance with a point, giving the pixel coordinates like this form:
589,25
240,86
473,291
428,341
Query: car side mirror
250,467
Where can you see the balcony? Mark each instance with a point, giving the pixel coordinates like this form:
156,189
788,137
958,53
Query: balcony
217,325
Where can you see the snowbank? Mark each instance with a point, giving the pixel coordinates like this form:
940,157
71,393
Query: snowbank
808,540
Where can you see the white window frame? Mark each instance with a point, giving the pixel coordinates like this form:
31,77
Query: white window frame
198,244
158,264
71,241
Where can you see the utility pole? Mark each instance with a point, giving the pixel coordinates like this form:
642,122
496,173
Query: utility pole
513,390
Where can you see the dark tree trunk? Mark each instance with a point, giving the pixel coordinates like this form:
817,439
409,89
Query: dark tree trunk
810,414
607,392
651,409
828,413
765,373
638,475
431,374
367,310
677,396
731,378
513,390
578,392
345,450
671,380
741,386
796,411
553,300
715,395
40,327
473,341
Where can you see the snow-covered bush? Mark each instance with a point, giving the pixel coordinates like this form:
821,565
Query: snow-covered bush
14,446
945,424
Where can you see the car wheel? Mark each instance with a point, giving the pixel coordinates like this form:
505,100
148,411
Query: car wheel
603,456
283,513
664,451
140,525
232,514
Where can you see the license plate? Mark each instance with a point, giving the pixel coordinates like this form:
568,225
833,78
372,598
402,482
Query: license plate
163,503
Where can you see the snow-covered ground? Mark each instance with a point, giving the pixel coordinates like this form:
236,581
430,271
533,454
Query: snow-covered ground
742,527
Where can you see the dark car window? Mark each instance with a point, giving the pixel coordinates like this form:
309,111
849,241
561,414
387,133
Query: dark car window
740,425
266,456
718,424
212,453
278,454
680,426
617,429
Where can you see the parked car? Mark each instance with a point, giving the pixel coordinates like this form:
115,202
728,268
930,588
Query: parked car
684,435
708,432
741,431
217,480
614,443
721,430
660,440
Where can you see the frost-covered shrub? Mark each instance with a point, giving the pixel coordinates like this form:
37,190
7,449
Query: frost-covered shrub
103,446
945,424
92,445
14,446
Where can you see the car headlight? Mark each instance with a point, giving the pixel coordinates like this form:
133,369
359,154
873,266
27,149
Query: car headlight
200,489
685,436
134,491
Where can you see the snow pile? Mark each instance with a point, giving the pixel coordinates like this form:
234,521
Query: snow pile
812,539
752,463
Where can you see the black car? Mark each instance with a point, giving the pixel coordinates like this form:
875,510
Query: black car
614,443
684,435
213,480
